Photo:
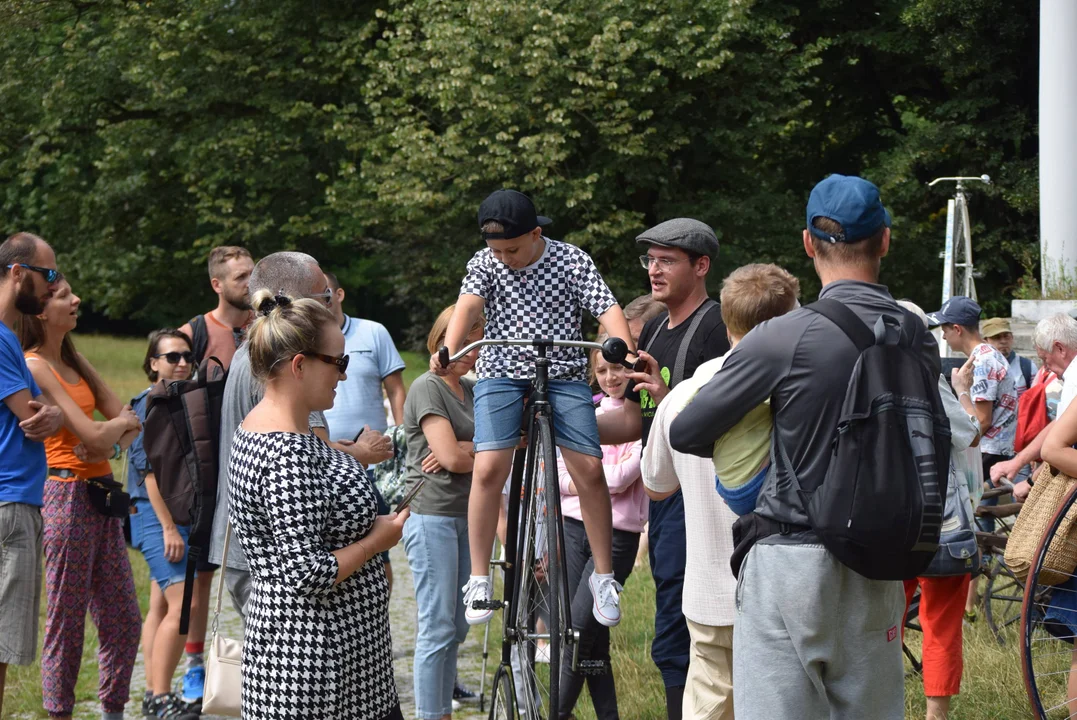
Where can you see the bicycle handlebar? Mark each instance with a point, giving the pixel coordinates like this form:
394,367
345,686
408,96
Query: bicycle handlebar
614,350
985,179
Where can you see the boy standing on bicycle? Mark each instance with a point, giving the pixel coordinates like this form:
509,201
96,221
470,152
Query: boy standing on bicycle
533,287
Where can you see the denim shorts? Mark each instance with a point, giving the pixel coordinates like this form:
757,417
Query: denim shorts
148,537
499,408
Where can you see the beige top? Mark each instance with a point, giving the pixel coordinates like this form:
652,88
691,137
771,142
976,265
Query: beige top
709,585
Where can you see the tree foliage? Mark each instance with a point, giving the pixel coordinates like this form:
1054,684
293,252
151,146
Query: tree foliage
136,136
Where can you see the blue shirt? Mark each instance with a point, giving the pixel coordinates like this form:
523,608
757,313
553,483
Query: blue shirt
23,470
359,398
138,465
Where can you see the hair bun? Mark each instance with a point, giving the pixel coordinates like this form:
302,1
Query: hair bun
271,302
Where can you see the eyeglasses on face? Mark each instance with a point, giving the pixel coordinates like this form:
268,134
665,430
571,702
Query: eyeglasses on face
663,263
173,358
341,362
51,274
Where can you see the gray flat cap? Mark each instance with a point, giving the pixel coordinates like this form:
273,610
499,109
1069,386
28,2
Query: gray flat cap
683,233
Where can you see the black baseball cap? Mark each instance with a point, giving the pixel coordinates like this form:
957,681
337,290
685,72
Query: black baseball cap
513,210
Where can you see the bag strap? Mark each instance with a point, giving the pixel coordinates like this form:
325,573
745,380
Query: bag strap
662,320
220,580
1026,370
686,341
847,321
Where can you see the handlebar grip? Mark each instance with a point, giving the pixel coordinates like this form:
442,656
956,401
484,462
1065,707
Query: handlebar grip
639,366
443,356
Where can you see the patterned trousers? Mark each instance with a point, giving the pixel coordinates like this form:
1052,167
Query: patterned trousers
86,568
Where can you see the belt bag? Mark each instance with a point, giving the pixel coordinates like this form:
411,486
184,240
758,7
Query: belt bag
106,495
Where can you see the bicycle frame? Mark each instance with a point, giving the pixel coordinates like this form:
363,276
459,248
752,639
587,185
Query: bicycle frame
538,404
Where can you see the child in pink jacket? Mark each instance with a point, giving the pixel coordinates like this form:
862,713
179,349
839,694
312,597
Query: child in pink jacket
629,500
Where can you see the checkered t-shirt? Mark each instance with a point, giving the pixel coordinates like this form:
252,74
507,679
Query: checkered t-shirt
545,299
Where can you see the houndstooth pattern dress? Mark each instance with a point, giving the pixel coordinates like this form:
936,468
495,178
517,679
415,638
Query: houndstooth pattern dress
312,649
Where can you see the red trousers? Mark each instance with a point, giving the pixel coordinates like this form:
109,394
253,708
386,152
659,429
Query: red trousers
942,609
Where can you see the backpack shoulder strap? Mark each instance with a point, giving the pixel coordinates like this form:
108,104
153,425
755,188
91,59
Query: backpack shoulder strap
661,320
686,342
846,320
199,336
1026,370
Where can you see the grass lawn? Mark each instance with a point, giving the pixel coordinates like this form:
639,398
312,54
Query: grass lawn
992,684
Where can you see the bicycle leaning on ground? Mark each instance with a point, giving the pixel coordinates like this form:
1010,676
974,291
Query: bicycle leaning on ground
535,576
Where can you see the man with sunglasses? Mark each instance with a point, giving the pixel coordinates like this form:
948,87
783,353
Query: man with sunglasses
220,332
679,256
296,275
27,279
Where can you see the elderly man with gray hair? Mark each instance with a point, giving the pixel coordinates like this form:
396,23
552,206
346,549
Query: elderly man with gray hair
1056,346
296,275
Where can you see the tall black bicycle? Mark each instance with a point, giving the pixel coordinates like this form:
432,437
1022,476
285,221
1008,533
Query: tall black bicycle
537,597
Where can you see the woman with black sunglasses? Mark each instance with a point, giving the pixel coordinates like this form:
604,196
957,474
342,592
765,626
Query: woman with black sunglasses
162,542
316,641
86,565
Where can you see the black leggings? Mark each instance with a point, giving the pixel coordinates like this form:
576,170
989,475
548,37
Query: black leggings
594,637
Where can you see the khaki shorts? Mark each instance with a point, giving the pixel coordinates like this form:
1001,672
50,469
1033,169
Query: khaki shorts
20,581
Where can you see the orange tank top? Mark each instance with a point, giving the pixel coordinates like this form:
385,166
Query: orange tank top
60,448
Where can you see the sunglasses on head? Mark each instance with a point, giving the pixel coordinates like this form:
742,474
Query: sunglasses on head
51,274
173,358
341,362
326,297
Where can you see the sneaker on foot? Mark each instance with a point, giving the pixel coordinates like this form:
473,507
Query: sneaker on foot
542,653
170,707
459,692
477,588
607,594
455,705
194,684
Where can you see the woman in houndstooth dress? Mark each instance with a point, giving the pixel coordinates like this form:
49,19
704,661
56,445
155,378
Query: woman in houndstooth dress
316,643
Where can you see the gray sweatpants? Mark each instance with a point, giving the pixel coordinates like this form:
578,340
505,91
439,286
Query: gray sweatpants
814,640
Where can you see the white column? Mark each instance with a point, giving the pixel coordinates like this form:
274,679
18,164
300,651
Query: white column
1058,143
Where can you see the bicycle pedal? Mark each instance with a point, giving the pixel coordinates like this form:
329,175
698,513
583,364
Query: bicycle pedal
487,605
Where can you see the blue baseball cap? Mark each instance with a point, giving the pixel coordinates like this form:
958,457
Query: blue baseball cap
958,310
852,202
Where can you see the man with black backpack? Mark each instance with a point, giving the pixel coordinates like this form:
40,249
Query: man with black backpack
815,636
219,332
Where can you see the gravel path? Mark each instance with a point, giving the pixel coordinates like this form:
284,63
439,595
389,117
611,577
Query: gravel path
402,618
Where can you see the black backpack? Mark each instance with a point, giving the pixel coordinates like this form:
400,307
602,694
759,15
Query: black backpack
879,507
182,441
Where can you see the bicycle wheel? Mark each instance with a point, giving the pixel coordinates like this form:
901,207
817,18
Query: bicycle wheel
540,584
503,695
1048,625
1002,601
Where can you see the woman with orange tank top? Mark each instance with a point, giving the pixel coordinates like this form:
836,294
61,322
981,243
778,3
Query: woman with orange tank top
86,565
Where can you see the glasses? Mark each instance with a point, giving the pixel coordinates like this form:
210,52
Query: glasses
341,362
51,275
173,358
663,264
326,296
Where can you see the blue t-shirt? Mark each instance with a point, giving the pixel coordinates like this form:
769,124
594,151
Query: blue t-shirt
23,470
138,465
359,399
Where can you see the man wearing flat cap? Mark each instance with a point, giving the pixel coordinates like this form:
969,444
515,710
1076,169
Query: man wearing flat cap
679,254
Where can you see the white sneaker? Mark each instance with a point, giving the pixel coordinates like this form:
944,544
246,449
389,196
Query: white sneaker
477,588
542,653
607,594
455,705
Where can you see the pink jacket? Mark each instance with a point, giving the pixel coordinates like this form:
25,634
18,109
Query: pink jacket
621,465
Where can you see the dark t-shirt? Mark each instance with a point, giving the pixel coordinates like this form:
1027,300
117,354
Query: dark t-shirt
709,342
